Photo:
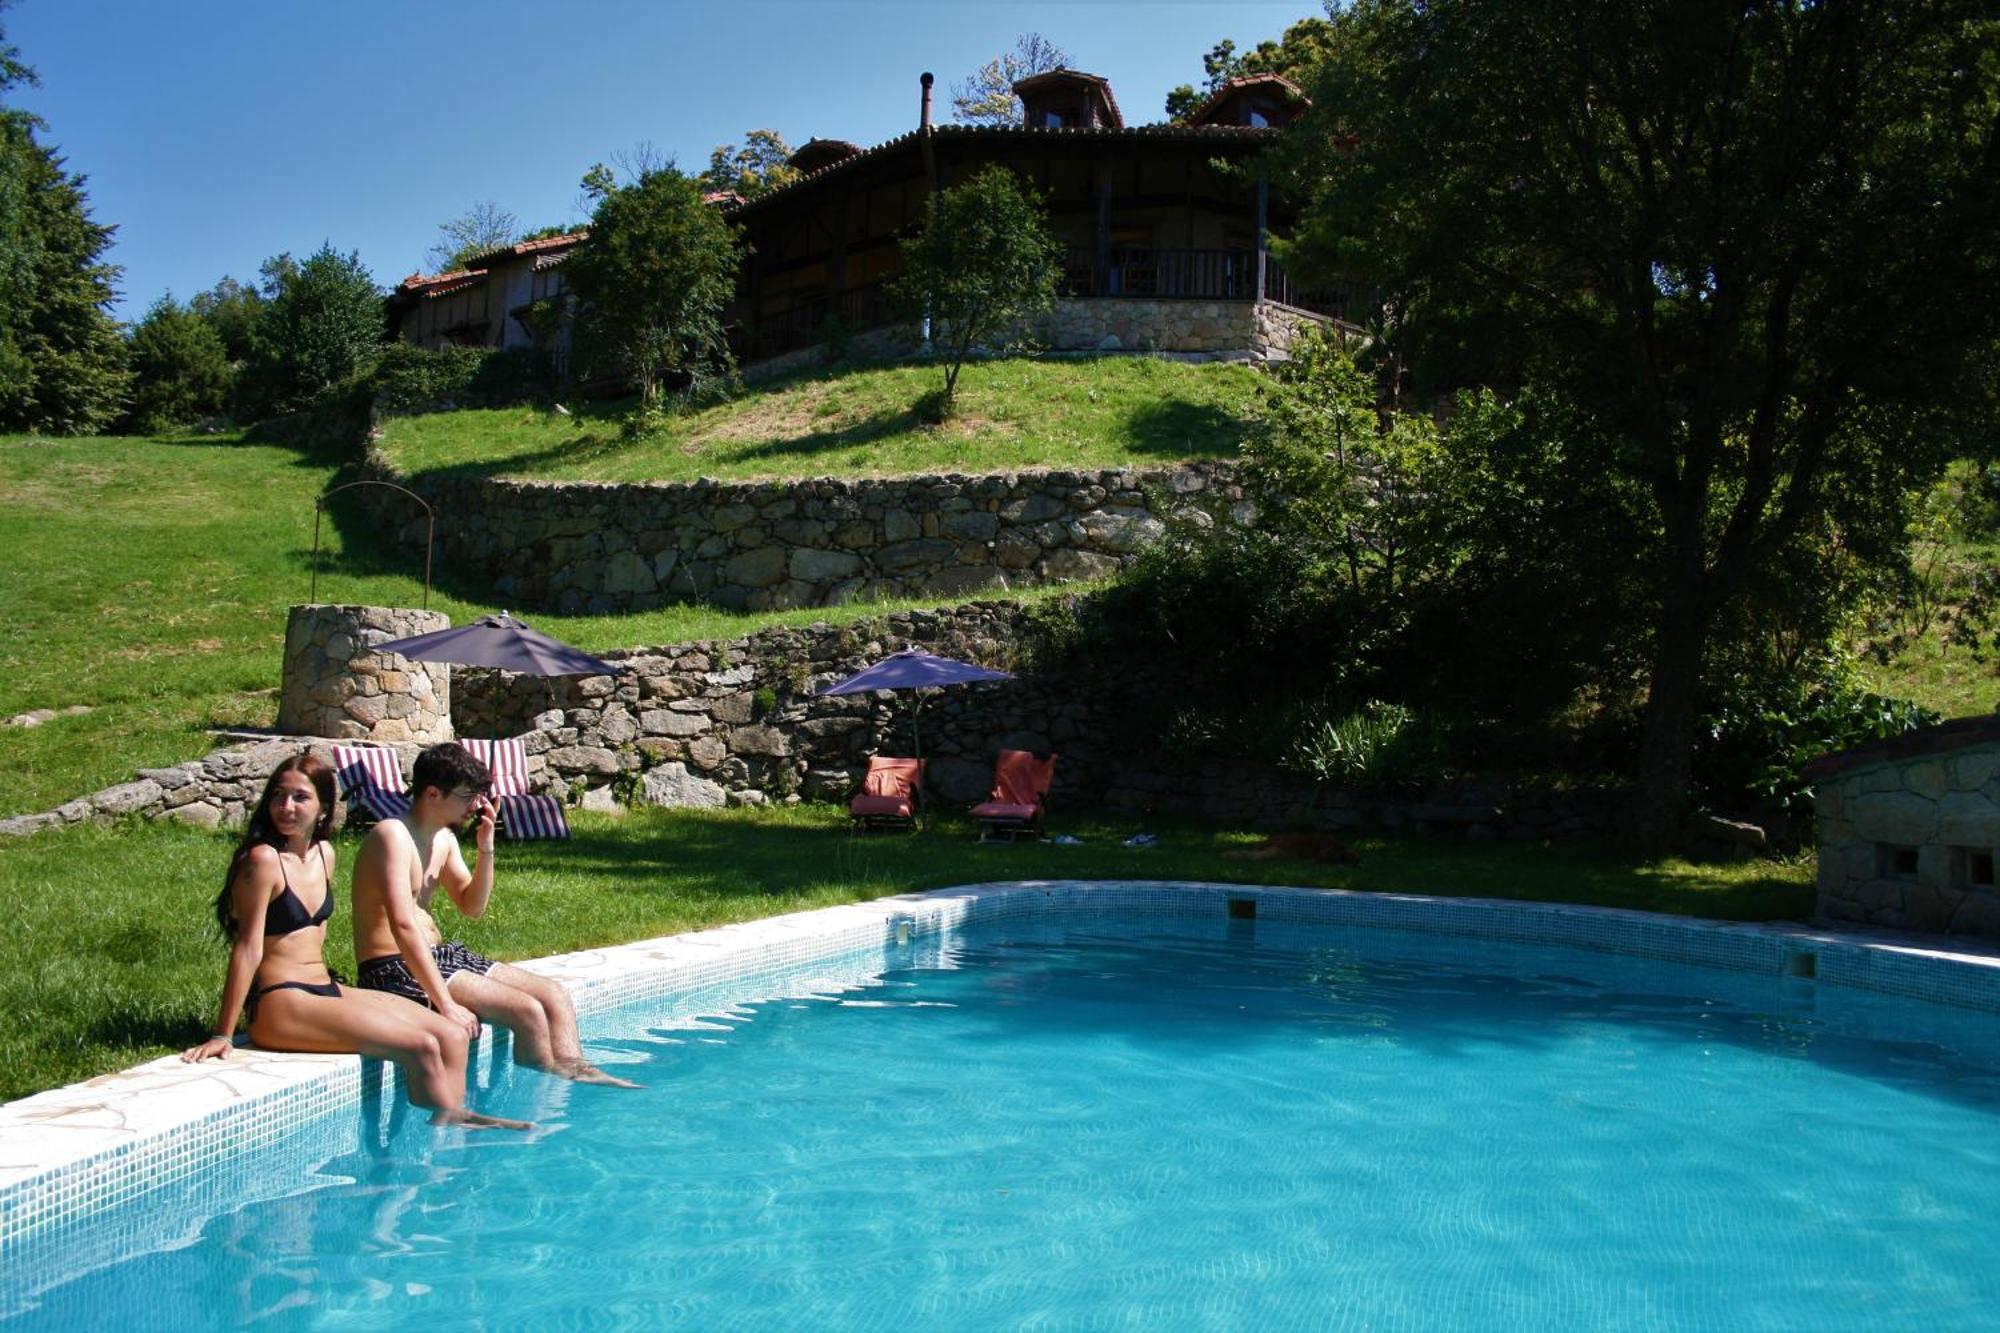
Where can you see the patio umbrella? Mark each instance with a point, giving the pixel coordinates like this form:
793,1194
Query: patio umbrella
914,670
503,642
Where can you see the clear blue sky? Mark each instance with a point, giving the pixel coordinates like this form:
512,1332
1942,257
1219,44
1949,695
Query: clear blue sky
216,133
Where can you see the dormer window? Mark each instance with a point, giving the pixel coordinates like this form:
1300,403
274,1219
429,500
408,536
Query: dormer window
1067,99
1259,118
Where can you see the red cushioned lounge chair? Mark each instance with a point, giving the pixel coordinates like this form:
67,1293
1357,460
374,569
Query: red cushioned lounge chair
892,793
1020,796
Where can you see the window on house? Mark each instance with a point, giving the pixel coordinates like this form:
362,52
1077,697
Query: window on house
1893,862
1259,118
1057,120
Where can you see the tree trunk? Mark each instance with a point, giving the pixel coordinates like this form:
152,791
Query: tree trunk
1666,749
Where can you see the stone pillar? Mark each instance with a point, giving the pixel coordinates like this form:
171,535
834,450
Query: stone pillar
334,685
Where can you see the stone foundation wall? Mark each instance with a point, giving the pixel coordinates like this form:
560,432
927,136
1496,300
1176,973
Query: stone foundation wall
1191,329
600,549
1151,324
1909,840
336,685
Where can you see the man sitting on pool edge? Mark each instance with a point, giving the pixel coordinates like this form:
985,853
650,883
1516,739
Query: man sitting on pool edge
402,863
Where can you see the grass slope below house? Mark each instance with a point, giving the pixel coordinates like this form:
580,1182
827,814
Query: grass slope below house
148,580
1939,674
1015,413
110,954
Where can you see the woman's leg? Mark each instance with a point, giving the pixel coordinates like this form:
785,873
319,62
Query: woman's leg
430,1052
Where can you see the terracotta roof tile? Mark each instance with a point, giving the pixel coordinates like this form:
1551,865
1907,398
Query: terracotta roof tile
1184,133
565,241
417,284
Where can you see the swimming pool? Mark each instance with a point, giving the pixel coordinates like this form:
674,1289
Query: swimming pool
1122,1117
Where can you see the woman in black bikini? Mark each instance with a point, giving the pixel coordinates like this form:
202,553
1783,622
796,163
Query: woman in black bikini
278,975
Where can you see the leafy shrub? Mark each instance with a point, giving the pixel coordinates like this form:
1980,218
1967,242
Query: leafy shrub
1753,746
407,378
1376,745
1968,498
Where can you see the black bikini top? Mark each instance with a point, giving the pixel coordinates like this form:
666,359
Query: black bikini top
286,913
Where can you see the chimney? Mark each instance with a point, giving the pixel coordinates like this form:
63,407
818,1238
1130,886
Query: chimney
925,123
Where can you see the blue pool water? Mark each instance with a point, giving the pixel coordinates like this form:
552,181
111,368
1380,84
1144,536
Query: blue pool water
1167,1124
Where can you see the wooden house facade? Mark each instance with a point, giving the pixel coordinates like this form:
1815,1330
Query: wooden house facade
1164,244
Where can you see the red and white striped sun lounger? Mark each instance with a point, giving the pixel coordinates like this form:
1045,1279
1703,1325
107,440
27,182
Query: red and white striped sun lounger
522,813
371,777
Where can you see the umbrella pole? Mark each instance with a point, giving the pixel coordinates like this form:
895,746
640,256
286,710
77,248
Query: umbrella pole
917,749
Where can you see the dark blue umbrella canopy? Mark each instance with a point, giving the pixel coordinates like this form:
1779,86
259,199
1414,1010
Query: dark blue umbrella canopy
913,670
504,642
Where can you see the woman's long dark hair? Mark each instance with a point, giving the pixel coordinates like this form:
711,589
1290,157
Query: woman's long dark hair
262,833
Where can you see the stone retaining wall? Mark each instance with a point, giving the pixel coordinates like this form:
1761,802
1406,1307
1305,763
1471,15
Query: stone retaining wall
1910,830
601,549
215,791
740,722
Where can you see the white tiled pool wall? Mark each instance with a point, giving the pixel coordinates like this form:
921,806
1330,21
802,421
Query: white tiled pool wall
46,1214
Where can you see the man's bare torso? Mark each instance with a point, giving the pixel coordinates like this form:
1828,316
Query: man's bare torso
374,878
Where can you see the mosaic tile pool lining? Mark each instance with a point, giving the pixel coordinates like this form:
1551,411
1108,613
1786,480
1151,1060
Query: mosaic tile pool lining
196,1134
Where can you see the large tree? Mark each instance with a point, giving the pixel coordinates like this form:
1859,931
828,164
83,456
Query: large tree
483,227
756,167
983,263
986,96
180,370
651,281
322,322
62,361
1755,242
233,310
1295,55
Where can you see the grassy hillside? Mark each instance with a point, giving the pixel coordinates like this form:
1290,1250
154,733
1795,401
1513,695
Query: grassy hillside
1015,413
1940,674
148,580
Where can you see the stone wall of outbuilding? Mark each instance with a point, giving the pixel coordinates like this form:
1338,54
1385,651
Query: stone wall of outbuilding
602,548
1910,830
335,684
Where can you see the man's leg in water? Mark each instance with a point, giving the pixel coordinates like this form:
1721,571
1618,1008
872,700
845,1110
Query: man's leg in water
538,1012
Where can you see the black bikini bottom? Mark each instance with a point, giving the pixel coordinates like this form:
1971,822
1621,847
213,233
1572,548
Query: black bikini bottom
330,989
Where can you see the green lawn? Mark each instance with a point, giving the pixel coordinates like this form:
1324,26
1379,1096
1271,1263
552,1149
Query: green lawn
110,957
149,580
1015,413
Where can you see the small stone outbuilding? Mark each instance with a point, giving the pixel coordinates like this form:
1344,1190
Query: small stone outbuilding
1909,830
